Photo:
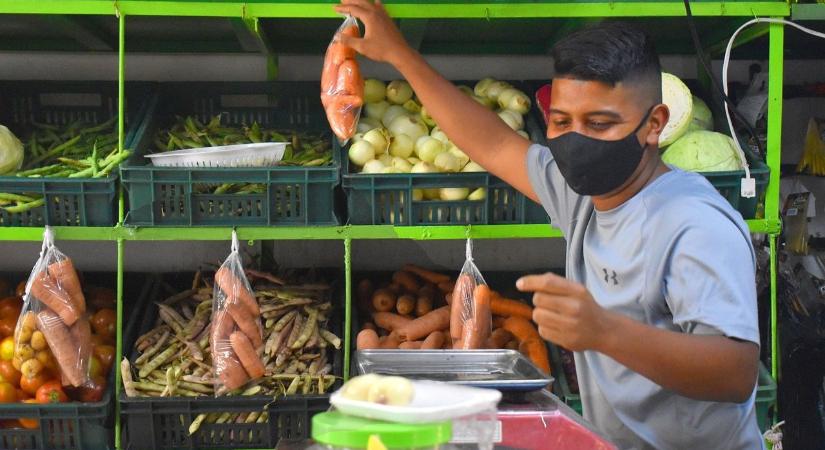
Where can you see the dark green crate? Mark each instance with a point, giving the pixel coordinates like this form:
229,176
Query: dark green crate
386,199
68,202
729,185
765,391
169,196
162,423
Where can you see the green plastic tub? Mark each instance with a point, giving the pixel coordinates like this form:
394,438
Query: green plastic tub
180,196
68,201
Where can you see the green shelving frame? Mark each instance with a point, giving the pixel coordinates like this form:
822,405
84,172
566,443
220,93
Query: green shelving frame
251,11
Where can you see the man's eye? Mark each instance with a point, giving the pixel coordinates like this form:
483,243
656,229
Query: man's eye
561,123
600,125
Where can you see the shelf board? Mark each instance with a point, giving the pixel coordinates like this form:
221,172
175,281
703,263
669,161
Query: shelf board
808,11
398,8
355,232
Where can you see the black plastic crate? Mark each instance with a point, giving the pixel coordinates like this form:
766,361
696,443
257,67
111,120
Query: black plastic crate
176,196
161,423
387,199
67,201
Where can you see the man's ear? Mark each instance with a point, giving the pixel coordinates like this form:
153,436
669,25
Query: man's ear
657,121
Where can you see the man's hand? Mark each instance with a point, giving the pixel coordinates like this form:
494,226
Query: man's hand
382,40
566,313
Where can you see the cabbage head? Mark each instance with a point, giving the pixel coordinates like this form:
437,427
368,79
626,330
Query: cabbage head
11,152
703,151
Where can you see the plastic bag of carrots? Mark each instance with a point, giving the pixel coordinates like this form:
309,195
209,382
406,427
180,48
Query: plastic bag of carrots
53,332
342,87
236,337
470,316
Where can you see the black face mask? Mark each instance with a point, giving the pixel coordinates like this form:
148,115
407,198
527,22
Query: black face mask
594,166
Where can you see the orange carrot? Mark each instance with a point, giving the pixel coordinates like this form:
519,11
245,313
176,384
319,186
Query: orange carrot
427,275
471,338
508,307
236,291
410,345
246,355
350,83
246,323
481,312
521,328
229,370
407,280
64,274
367,339
435,320
222,326
536,351
62,345
463,290
389,321
499,338
446,286
390,341
383,300
368,326
512,345
498,321
48,292
434,341
405,304
81,333
423,305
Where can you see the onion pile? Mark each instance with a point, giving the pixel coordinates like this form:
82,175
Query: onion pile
396,134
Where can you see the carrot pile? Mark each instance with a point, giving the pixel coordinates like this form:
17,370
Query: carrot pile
342,87
57,309
415,310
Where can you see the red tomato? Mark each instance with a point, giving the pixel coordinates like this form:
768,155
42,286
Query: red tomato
51,392
106,355
31,385
7,393
89,393
8,373
104,323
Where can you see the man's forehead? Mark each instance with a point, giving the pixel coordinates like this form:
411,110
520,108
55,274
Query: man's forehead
585,96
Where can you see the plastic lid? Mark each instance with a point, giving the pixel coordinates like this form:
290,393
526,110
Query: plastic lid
334,428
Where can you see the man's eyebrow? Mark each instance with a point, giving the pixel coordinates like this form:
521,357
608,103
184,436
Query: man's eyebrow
608,113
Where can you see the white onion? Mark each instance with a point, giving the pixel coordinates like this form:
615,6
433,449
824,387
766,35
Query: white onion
425,116
453,194
374,90
418,195
412,106
413,160
515,100
446,162
465,89
480,88
523,134
360,152
402,164
472,166
373,166
485,102
385,159
440,135
427,148
376,110
424,167
411,126
379,138
401,145
390,170
399,91
462,157
478,194
392,113
366,124
432,194
512,119
495,89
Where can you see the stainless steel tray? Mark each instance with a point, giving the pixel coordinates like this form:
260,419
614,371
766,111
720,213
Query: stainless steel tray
506,370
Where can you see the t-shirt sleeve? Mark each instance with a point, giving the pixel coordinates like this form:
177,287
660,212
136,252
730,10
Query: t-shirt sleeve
555,195
710,284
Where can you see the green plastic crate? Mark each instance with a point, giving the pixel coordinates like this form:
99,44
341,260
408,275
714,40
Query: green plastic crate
68,202
765,391
386,199
170,196
729,185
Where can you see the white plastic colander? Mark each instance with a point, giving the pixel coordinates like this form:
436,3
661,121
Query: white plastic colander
241,155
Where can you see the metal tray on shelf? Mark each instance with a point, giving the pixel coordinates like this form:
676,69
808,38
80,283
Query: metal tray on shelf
505,370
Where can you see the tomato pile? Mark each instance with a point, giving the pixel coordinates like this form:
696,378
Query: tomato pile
33,376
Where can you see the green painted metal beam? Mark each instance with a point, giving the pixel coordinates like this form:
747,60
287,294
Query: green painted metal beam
773,158
808,11
398,9
61,233
246,39
264,46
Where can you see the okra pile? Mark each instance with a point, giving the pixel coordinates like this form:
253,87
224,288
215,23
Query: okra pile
75,150
173,358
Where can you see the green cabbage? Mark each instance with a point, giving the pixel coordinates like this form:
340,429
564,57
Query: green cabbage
11,152
677,97
702,117
703,151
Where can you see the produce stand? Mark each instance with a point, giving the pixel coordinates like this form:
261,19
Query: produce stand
254,17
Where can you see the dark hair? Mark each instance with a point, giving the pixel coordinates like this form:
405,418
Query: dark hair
609,52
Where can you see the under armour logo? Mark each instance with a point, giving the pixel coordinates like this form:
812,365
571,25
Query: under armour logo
608,277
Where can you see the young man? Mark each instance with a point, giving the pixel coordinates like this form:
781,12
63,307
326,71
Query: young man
659,302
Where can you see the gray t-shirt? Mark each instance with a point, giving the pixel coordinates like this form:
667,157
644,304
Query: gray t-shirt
675,256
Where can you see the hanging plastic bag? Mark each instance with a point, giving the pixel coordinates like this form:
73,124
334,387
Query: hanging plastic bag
342,87
470,316
236,338
53,331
